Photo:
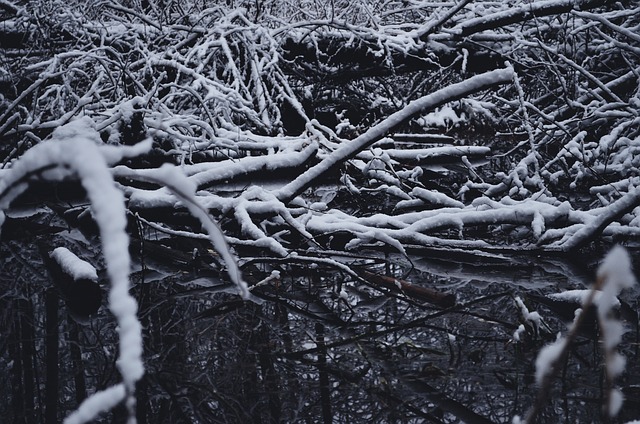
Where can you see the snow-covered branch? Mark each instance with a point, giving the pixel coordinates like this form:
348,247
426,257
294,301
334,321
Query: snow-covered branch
72,151
424,104
614,274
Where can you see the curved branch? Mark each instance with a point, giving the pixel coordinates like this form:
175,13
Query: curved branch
74,152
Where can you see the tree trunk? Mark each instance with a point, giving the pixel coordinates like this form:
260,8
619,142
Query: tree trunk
51,359
76,358
325,389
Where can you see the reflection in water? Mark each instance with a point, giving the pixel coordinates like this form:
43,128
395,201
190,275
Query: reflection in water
323,346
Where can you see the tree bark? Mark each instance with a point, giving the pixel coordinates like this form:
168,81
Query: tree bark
422,293
51,358
76,359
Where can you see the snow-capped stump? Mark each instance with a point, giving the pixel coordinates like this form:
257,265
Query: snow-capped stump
73,266
76,279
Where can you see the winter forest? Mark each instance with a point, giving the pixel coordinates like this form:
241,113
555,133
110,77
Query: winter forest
319,211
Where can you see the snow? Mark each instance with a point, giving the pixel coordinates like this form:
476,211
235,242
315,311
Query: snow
547,357
617,270
429,153
616,398
614,274
172,177
592,227
444,117
212,104
533,318
73,265
25,212
205,174
349,149
615,364
514,13
519,331
274,276
580,296
107,205
343,295
436,198
413,227
96,404
114,154
537,224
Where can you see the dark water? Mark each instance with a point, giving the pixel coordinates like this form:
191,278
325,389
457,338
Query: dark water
318,345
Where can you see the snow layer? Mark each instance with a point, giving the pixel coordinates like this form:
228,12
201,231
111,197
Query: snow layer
73,265
547,358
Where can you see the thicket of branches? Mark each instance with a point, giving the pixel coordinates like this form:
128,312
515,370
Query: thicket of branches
229,91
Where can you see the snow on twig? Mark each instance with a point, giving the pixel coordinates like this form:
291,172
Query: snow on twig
614,275
523,13
594,228
206,174
532,318
96,404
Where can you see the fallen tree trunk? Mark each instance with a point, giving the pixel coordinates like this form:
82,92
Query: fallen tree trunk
522,14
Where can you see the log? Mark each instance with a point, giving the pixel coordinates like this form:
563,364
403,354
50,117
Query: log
435,297
83,297
524,13
423,138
